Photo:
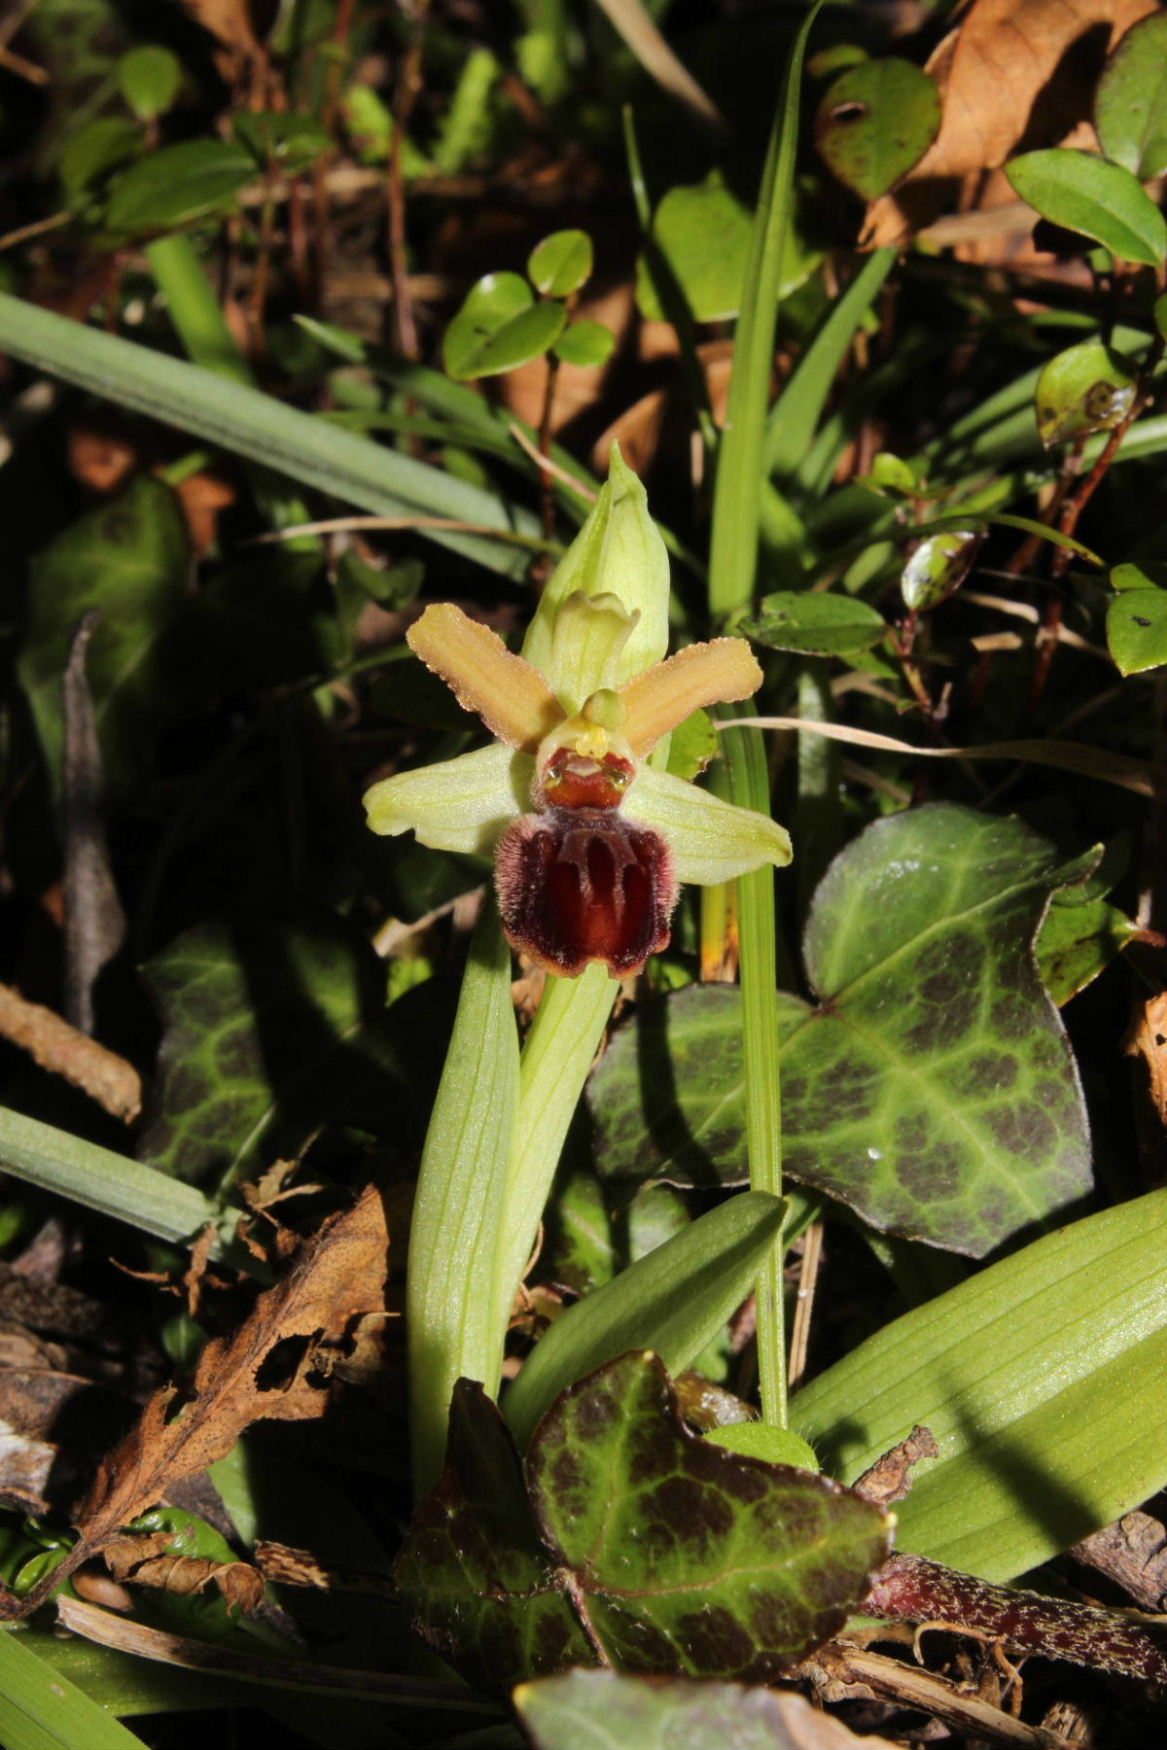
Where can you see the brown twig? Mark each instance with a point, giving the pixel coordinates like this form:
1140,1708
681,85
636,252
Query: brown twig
66,1051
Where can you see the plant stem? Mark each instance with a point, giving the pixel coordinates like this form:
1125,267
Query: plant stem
749,785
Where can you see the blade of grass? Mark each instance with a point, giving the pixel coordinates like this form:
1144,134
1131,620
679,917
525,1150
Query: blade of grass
673,1301
263,429
798,409
733,563
101,1180
41,1710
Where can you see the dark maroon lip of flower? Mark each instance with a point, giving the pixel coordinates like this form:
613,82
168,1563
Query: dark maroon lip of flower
580,884
573,780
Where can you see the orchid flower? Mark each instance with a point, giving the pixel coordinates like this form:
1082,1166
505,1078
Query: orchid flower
590,840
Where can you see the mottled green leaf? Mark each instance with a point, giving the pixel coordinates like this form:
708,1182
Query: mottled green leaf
932,1088
689,1558
877,119
1130,101
128,561
1086,388
937,567
683,1557
176,185
1041,1380
477,1581
270,1030
586,343
1136,629
703,232
498,327
674,1300
1102,201
603,1710
561,263
814,622
1078,941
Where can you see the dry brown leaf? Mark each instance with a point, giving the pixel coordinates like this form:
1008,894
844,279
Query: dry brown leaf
1148,1039
266,1370
65,1051
1014,73
149,1561
229,20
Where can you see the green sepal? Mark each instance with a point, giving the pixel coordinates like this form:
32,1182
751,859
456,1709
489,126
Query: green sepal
464,804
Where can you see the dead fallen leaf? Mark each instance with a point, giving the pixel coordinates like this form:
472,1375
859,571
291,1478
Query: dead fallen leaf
1014,73
149,1561
1148,1039
65,1051
889,1479
268,1369
284,1565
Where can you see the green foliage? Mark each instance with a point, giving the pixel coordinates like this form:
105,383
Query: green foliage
1086,388
1100,200
149,77
703,234
674,1301
914,1109
816,624
498,327
687,1559
1130,103
41,1710
561,264
1136,620
269,1030
589,1710
1037,1379
875,121
198,179
127,562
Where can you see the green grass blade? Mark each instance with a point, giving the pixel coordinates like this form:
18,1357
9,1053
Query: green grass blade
674,1301
101,1180
41,1710
740,464
264,430
1042,1381
797,411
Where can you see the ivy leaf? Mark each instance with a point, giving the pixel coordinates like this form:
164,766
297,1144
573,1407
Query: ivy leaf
680,1557
593,1710
269,1030
932,1064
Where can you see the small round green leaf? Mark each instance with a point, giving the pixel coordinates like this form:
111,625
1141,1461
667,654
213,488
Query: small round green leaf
1130,103
1100,200
1086,388
890,473
178,184
561,263
1136,629
498,327
815,623
876,121
937,567
148,78
275,137
704,232
585,343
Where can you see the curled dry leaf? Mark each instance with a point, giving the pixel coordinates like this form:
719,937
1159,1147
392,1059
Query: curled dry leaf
65,1051
150,1561
1013,73
1148,1039
268,1369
